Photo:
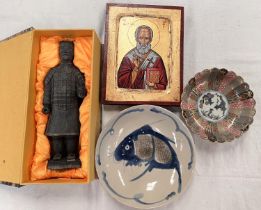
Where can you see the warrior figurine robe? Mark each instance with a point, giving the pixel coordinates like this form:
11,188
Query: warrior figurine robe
64,91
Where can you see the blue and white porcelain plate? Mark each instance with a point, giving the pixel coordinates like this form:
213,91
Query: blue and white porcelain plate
145,157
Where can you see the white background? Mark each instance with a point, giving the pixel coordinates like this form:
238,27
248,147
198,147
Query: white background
218,33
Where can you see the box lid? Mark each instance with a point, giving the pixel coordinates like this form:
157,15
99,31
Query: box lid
15,63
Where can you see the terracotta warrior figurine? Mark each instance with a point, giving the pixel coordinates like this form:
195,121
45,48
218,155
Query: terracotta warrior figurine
64,90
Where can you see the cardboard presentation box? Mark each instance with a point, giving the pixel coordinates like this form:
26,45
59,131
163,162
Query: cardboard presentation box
18,60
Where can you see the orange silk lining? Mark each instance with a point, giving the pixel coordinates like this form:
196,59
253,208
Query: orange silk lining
49,58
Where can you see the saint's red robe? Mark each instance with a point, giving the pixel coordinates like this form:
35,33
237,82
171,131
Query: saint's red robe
126,68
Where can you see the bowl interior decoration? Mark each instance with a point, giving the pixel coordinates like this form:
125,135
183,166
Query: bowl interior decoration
145,157
218,105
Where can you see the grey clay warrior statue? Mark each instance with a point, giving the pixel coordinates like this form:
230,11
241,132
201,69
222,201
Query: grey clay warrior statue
64,90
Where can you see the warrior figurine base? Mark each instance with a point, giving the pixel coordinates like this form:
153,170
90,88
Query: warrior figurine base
64,91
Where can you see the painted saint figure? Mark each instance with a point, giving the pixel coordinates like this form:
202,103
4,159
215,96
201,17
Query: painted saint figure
142,67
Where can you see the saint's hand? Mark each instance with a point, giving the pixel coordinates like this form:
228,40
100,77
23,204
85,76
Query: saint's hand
150,84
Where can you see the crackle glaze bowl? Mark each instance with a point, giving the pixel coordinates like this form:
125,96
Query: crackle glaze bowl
218,105
145,157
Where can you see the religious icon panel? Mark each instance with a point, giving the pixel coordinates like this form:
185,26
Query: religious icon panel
143,54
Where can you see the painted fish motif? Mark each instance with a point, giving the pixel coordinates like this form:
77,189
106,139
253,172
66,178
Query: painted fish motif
145,145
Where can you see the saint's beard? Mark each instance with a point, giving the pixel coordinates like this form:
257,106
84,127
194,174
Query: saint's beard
143,49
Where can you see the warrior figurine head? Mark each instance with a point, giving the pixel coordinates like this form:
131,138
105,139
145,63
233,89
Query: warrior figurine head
66,51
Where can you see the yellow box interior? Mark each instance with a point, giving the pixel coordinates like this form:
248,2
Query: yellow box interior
18,60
